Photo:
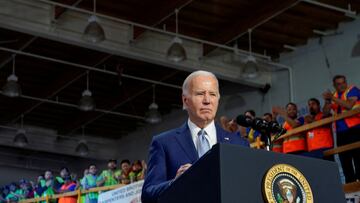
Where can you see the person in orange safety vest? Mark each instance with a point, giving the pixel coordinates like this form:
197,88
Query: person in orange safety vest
345,98
295,144
317,139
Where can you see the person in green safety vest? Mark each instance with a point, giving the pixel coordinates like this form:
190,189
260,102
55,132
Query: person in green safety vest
90,182
138,170
46,185
127,176
82,186
59,180
16,194
110,176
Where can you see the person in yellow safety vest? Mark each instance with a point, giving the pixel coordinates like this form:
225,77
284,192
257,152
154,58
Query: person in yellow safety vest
82,186
109,177
318,139
294,144
345,98
90,182
46,185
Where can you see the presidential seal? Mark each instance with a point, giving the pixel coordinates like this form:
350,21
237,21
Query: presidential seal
284,183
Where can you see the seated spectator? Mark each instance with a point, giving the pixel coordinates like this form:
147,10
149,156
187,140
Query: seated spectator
294,144
345,98
90,182
68,186
109,177
318,139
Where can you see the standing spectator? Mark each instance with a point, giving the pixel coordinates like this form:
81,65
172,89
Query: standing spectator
139,168
344,99
15,193
82,185
126,176
251,134
46,185
318,139
90,182
294,144
108,177
59,180
68,186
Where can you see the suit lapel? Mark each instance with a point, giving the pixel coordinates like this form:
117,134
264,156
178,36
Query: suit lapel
184,138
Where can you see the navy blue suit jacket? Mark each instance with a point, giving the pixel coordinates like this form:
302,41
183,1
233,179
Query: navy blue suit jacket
170,150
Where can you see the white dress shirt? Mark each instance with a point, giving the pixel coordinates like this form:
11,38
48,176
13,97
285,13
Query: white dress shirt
210,133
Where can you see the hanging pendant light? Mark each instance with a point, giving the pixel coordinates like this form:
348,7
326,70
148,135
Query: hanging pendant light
20,139
94,32
356,49
153,116
12,88
82,149
86,102
251,69
176,51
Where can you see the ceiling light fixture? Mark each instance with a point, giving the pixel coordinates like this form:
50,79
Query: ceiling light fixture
82,149
250,70
86,102
176,51
12,88
94,32
153,116
20,139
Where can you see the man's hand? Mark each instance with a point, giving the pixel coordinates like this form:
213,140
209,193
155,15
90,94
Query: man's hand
309,119
182,169
277,110
327,95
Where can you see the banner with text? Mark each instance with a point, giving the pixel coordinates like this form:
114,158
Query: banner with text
127,194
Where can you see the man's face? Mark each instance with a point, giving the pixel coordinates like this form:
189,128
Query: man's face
267,118
64,173
202,99
314,108
291,111
112,165
340,85
125,167
48,175
92,169
249,115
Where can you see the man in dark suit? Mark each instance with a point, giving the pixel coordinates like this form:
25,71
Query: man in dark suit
173,152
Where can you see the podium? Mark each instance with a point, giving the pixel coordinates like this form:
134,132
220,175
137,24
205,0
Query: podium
234,174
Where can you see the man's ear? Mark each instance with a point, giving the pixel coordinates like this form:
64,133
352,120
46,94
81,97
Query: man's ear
184,100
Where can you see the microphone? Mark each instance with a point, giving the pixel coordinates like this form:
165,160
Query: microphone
260,124
264,127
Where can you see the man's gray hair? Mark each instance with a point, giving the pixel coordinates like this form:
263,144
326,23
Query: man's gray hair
185,86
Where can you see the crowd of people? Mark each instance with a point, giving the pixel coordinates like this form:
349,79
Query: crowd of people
314,142
48,184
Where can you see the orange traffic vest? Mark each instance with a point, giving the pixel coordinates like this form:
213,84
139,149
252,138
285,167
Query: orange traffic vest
350,121
70,199
294,143
319,138
278,146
